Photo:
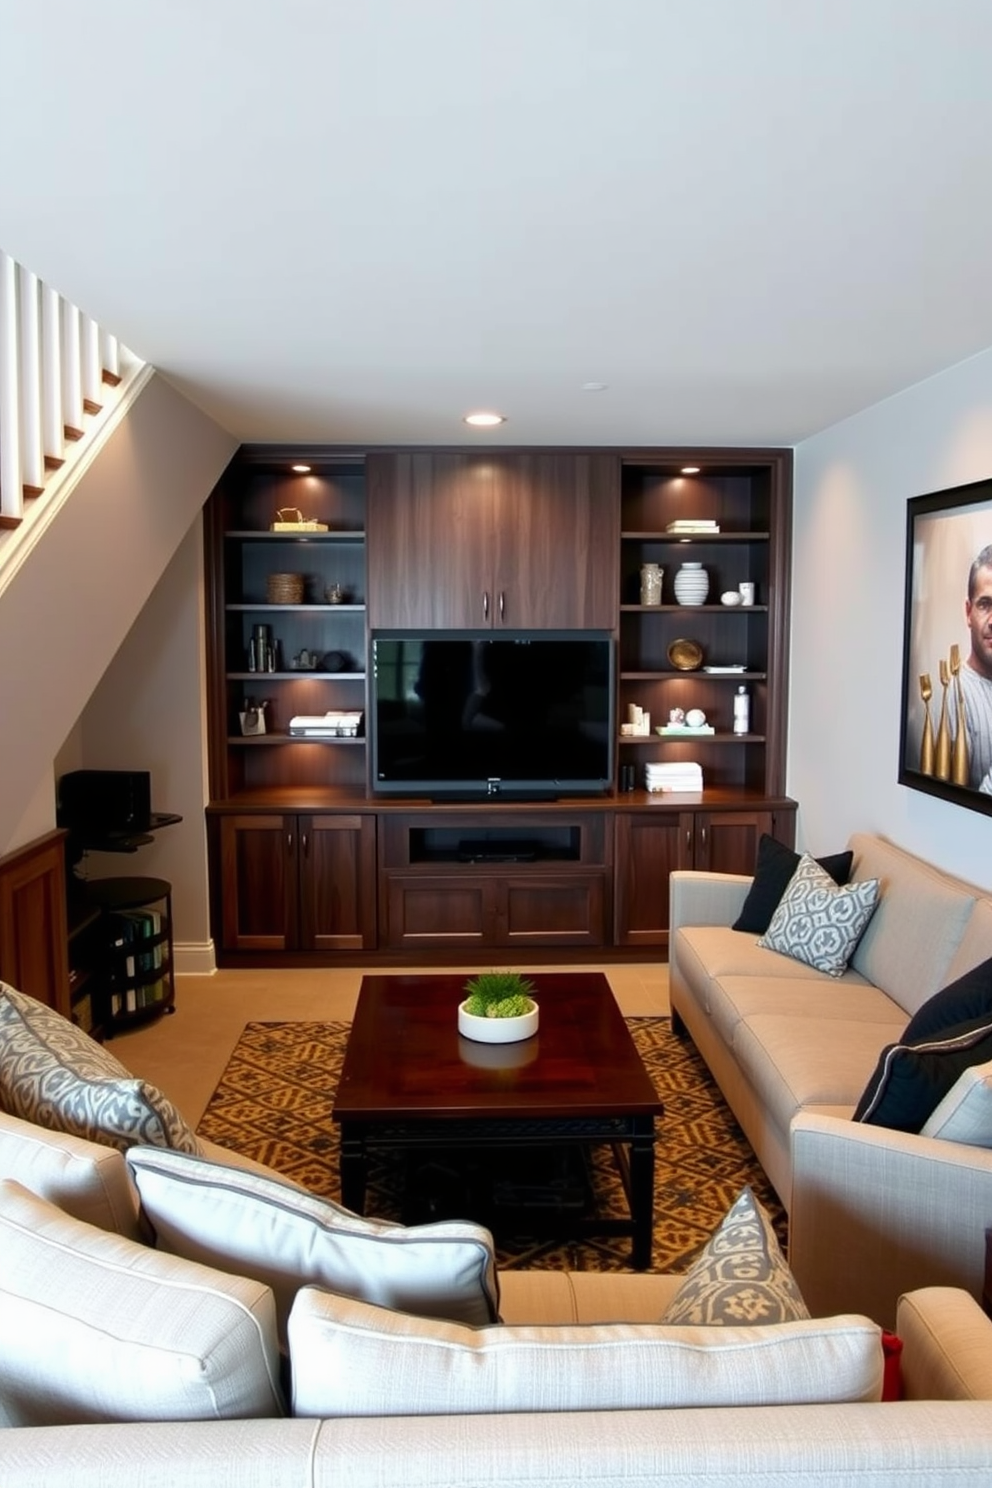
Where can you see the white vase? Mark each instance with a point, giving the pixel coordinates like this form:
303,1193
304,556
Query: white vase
692,584
497,1030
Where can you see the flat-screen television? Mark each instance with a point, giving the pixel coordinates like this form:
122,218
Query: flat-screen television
513,715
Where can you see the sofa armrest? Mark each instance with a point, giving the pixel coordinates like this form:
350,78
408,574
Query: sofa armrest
697,898
947,1346
875,1213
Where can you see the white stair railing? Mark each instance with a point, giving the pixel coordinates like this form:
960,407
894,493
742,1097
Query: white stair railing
61,374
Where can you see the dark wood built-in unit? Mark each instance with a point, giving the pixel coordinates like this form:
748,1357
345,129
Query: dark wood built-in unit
512,541
308,863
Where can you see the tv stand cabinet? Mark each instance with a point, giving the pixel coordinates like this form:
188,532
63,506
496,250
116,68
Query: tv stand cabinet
555,891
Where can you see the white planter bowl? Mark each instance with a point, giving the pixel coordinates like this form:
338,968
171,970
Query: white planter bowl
497,1030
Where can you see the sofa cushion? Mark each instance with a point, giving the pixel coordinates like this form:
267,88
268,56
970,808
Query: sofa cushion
801,1062
920,919
817,922
849,1000
87,1179
773,869
55,1075
965,1113
351,1359
98,1328
909,1081
969,997
740,1276
257,1226
976,942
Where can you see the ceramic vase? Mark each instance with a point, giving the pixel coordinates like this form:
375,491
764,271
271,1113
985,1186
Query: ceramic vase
651,577
692,584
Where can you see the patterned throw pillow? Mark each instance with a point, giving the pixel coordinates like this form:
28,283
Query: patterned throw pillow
818,923
740,1276
55,1075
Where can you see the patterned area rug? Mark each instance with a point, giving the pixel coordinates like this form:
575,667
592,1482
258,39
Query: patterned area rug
274,1103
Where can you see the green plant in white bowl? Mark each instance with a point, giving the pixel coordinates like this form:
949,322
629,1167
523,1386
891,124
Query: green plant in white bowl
499,994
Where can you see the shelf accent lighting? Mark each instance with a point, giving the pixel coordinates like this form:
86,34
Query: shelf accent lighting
483,420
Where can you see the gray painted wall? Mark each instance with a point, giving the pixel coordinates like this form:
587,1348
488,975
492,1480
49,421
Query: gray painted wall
852,485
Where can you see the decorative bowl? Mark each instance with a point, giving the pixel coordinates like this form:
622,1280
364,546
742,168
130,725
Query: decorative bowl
497,1030
730,597
685,656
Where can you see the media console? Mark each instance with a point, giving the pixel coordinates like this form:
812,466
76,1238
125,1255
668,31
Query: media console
306,875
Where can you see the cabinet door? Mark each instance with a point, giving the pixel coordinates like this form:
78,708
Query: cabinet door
429,536
337,882
555,535
649,847
727,841
440,910
549,910
258,867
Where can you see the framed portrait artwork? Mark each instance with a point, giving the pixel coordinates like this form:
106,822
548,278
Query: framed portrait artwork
945,745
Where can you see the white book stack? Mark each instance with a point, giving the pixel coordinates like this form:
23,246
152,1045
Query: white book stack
678,775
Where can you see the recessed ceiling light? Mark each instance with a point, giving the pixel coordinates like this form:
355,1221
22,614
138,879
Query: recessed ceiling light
690,469
595,387
302,469
485,420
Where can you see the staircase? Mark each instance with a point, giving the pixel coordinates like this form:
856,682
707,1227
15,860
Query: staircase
104,467
62,377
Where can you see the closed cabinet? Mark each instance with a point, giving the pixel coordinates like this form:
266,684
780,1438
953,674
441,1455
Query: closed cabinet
478,910
297,882
492,541
650,845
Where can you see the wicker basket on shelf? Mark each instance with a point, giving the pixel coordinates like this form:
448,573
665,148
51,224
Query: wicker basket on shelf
285,588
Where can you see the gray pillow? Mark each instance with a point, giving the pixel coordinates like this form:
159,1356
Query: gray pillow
818,922
55,1075
740,1276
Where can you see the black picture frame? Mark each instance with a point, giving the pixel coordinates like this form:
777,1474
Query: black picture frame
946,532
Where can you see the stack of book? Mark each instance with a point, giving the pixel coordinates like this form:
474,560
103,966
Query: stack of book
134,972
678,775
687,526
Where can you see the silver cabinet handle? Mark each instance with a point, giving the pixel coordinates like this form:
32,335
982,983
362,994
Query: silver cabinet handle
289,842
502,603
305,844
703,836
688,839
485,604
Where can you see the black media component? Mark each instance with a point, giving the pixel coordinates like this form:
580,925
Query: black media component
105,802
473,715
486,850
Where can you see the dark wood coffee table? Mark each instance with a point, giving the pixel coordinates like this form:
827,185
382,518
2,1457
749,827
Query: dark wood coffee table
410,1081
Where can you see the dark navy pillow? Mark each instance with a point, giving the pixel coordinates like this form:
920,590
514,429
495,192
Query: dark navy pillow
775,866
910,1081
968,998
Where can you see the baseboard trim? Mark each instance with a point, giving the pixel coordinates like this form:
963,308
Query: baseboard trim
195,958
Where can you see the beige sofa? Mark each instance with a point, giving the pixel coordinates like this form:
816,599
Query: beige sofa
873,1212
941,1433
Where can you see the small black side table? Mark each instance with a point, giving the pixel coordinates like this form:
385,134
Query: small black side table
136,972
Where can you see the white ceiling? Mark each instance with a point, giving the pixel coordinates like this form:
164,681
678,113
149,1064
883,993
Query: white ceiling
352,221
